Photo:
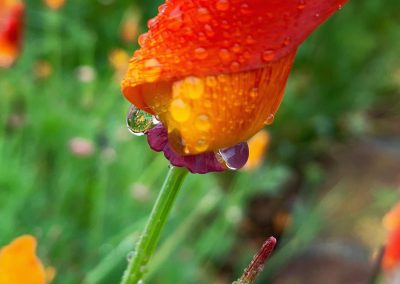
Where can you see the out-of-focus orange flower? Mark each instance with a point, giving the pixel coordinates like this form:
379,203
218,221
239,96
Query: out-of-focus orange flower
391,257
11,22
119,61
42,69
54,4
130,27
214,72
19,263
258,145
391,221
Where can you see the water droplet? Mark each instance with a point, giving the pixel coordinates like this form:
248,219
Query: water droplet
222,5
209,30
203,15
194,87
254,93
130,255
142,39
235,66
201,145
268,55
317,15
234,157
250,40
245,9
152,70
175,20
152,23
211,81
301,5
200,53
139,121
286,41
225,55
270,119
236,48
180,111
202,122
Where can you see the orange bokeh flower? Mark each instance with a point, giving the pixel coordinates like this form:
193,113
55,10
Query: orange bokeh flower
19,263
54,4
391,257
11,22
214,72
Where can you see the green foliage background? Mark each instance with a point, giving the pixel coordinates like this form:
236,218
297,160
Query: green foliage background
82,210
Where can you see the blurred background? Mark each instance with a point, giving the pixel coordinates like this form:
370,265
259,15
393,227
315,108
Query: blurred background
73,176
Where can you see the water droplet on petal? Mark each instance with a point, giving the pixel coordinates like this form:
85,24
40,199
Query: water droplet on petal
301,5
234,157
152,70
130,255
225,55
203,15
201,145
139,121
222,5
202,122
268,55
180,111
270,119
194,87
200,53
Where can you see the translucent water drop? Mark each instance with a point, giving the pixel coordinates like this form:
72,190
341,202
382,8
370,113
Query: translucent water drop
152,70
245,9
175,20
209,30
202,122
194,87
211,81
225,55
268,55
180,110
139,121
234,157
203,15
222,5
235,66
130,256
201,145
200,53
270,119
254,93
301,5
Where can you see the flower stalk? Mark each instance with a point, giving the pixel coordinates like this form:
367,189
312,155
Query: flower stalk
149,239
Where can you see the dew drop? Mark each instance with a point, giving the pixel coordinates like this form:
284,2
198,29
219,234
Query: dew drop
301,5
194,87
201,145
200,53
268,55
142,39
175,20
139,121
270,119
203,15
180,111
211,81
225,55
286,41
209,30
202,122
235,66
130,256
234,157
152,70
236,48
245,9
222,5
254,93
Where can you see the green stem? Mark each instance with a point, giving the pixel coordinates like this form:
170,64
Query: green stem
149,239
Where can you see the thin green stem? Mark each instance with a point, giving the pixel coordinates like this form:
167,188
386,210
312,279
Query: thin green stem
149,239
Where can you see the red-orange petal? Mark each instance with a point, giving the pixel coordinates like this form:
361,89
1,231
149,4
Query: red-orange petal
191,44
391,257
209,37
19,263
391,221
11,21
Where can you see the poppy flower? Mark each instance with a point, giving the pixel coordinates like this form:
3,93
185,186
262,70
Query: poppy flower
19,263
11,22
214,72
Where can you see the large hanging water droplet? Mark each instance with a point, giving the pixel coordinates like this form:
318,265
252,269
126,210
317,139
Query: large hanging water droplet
234,157
139,121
